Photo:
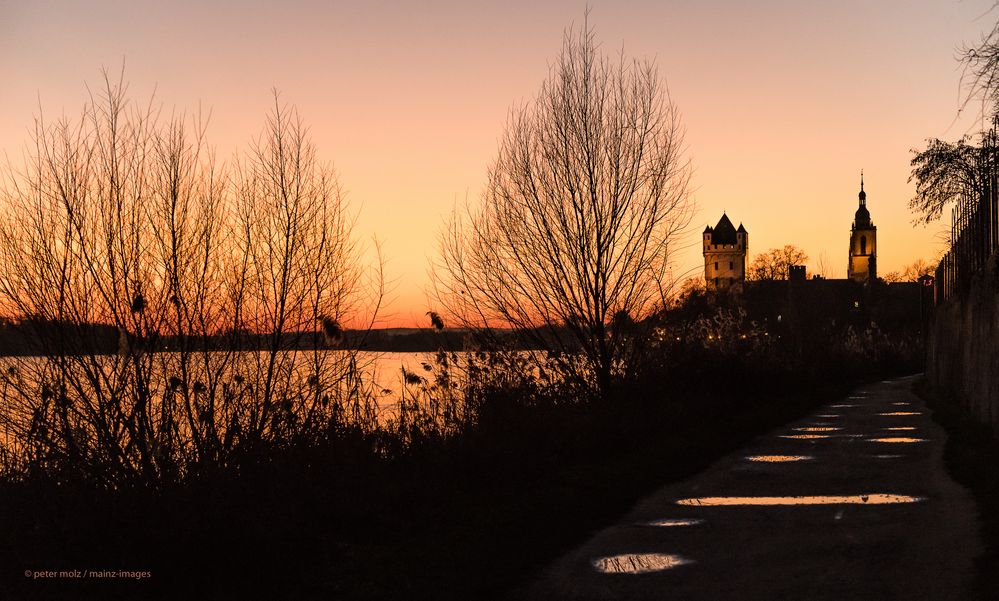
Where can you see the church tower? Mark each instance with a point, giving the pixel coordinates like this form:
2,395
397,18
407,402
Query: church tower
725,251
863,242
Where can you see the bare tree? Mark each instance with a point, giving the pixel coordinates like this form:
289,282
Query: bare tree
911,272
822,265
578,221
775,264
980,73
147,272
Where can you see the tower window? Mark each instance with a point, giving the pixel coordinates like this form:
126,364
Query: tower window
716,265
731,265
863,245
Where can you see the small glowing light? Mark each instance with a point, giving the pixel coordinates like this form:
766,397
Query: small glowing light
842,406
779,458
827,415
901,404
901,428
865,499
901,413
805,436
897,439
814,429
638,563
674,522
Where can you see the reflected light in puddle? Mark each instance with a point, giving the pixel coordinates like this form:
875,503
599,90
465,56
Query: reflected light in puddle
889,456
814,429
901,404
901,413
779,458
669,523
897,439
638,563
901,428
842,406
870,499
805,436
827,415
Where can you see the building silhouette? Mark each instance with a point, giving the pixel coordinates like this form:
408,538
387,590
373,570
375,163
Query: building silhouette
803,309
863,243
725,250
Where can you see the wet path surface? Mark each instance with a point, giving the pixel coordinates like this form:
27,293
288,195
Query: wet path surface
851,502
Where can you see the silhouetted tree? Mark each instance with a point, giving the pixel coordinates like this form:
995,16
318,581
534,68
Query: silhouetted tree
579,218
945,172
122,220
912,272
980,73
775,264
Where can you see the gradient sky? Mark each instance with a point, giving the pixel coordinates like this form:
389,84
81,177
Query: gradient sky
784,101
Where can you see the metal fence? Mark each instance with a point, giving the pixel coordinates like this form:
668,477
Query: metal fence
974,235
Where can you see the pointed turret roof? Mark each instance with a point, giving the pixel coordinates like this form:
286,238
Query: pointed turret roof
862,218
741,230
724,232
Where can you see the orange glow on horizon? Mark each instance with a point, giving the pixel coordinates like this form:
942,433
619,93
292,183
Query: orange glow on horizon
783,103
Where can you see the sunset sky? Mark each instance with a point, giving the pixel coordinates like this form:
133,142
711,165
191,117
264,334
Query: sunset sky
784,102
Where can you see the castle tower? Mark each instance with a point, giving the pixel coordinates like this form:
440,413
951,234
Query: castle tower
863,242
725,250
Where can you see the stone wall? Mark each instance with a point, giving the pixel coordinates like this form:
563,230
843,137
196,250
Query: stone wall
963,347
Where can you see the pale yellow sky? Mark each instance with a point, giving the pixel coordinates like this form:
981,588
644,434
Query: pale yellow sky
783,101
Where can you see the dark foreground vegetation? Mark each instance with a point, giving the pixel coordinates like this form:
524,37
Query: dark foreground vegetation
464,495
971,454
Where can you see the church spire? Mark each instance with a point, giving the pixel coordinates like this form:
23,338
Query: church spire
862,195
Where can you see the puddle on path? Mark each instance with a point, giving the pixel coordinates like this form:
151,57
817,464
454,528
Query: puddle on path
670,523
638,563
779,458
869,499
901,413
897,439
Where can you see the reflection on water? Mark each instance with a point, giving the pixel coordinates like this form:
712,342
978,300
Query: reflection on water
805,436
901,413
816,429
842,406
674,522
889,456
827,415
898,439
638,563
901,404
901,428
869,499
779,458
